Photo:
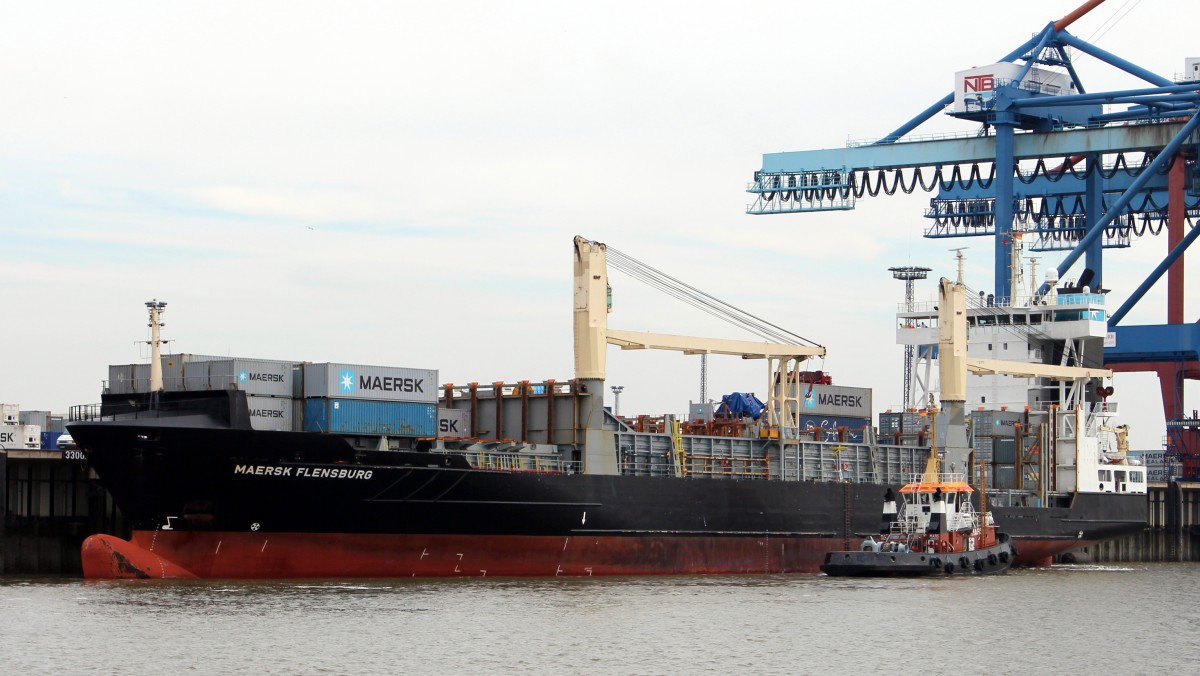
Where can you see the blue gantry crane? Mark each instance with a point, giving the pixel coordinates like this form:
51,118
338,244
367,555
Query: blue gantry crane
1069,169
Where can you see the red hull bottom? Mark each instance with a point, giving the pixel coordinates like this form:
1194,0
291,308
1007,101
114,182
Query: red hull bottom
175,554
304,555
1041,553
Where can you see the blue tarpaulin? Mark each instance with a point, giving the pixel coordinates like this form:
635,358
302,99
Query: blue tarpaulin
740,405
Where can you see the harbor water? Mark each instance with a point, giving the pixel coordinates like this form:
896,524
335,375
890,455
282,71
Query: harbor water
1133,618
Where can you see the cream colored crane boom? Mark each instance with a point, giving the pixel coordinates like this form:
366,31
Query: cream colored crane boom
592,334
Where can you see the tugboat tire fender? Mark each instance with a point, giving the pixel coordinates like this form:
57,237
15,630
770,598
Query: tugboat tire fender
949,568
1004,557
964,562
991,559
935,562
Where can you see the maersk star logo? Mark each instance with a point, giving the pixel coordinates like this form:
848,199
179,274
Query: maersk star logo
810,401
346,381
243,376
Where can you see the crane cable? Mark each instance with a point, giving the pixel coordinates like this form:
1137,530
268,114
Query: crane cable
705,302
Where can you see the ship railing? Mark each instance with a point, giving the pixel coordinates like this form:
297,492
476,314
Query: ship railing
492,390
519,462
944,477
1008,497
724,465
84,412
710,465
640,464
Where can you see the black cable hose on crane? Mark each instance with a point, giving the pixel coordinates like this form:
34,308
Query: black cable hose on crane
887,181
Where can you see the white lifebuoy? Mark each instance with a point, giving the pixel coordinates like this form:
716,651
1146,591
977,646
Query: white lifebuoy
845,467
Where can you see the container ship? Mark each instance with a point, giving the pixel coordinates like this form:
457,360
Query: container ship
239,468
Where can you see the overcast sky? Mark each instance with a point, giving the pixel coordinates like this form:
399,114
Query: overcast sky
399,183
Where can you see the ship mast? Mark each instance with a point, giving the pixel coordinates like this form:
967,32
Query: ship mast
156,308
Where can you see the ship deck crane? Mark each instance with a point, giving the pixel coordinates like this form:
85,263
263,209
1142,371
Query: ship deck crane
593,336
1033,107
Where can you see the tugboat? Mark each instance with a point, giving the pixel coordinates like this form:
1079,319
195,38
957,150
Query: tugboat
937,533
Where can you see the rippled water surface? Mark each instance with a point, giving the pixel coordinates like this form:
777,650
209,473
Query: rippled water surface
1135,618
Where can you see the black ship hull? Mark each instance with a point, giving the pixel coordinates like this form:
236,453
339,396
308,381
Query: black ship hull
220,502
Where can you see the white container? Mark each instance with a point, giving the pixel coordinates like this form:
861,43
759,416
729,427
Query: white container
270,413
10,414
20,437
373,383
195,375
41,418
454,423
128,378
178,377
834,400
260,377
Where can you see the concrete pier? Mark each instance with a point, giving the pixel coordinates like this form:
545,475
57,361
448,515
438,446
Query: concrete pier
1172,533
48,505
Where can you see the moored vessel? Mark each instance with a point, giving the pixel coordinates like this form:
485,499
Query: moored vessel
541,480
936,531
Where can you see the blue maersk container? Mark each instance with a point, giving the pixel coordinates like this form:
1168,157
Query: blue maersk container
360,416
50,440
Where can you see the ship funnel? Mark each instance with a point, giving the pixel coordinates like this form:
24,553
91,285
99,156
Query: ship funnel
937,513
889,512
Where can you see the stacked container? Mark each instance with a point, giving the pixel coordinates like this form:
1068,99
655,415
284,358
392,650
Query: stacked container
369,400
266,382
995,444
21,437
177,377
326,397
453,423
